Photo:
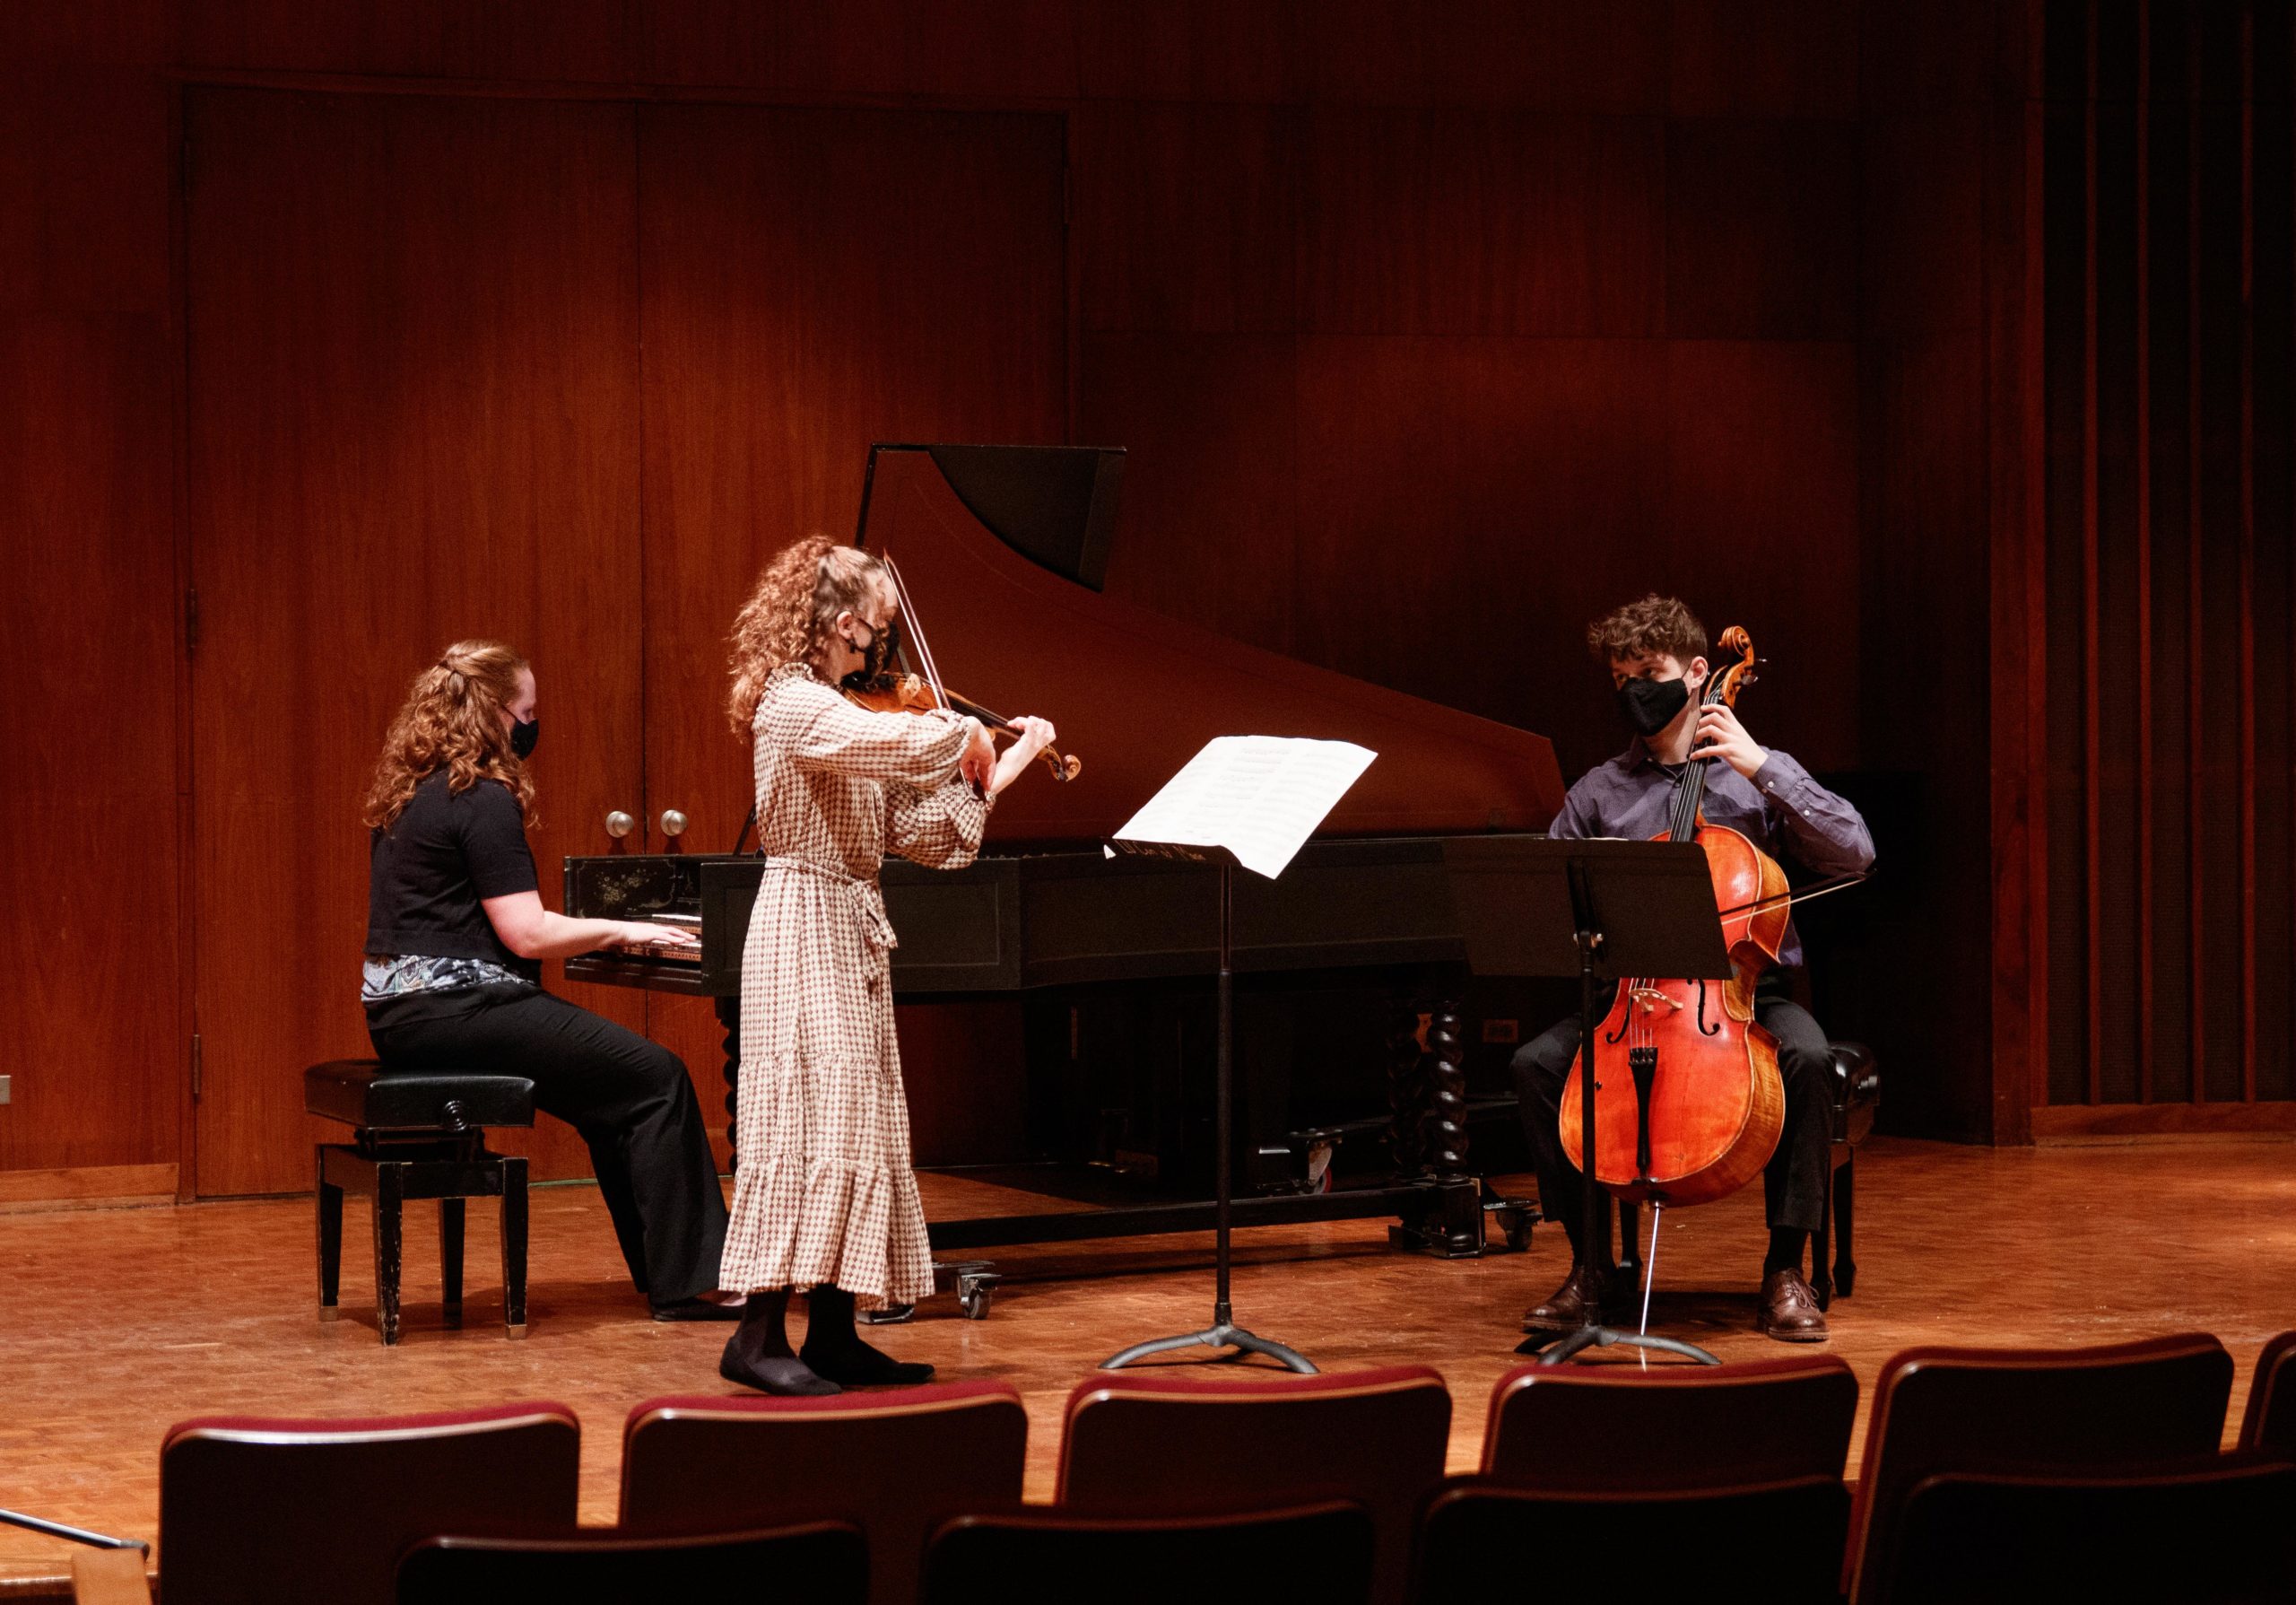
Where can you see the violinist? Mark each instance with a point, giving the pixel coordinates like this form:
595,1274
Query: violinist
1656,649
824,1196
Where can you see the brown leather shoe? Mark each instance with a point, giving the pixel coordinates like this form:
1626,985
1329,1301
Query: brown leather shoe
1565,1310
1789,1309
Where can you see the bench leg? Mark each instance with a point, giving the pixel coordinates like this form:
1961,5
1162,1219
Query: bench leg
450,1259
514,1247
330,1214
1822,1243
1845,1195
390,1185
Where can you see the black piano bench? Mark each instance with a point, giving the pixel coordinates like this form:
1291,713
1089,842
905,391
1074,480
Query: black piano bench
419,1135
1854,1092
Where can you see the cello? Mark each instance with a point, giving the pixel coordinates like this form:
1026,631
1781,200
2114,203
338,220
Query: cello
1688,1098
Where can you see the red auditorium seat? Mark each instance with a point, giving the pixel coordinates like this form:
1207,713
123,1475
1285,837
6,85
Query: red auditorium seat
895,1463
1588,1427
1318,1553
263,1512
826,1562
2113,1407
1781,1542
2213,1532
2269,1422
1141,1443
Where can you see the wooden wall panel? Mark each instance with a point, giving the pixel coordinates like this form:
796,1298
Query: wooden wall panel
934,48
83,184
546,41
1203,51
1187,216
413,412
1760,526
1609,58
1460,502
89,1026
1760,233
815,280
1787,58
1482,222
1207,529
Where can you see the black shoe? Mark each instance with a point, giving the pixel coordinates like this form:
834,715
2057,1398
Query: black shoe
697,1309
781,1374
858,1365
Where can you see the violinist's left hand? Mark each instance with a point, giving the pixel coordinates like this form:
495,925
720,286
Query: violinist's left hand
1721,735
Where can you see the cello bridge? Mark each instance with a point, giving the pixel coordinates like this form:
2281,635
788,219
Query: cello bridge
1646,999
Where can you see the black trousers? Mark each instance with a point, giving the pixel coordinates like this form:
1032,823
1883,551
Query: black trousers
627,1095
1794,1182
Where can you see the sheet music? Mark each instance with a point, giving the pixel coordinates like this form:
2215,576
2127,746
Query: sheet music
1259,796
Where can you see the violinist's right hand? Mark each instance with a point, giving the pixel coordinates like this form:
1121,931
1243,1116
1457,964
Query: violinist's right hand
977,767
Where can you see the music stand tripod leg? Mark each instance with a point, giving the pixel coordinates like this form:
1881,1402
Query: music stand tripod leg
1223,1332
1595,1222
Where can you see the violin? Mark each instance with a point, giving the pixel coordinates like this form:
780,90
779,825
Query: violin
910,693
1688,1098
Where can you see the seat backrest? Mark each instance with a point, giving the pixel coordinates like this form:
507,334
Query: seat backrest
1781,1542
2213,1532
255,1510
1590,1427
1938,1410
825,1563
1320,1553
895,1463
2268,1424
1139,1443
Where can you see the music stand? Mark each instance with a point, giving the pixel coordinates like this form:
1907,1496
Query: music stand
1589,908
1223,1332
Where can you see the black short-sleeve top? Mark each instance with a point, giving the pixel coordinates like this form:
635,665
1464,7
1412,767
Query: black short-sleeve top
428,873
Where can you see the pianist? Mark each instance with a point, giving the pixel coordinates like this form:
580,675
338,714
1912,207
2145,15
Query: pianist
456,931
824,1197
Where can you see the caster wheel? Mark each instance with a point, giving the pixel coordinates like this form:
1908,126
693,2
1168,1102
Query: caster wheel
975,1295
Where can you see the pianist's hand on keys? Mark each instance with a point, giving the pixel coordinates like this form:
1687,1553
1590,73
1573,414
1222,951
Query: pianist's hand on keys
641,937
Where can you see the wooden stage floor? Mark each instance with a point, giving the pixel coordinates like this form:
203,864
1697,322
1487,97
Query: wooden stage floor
115,1323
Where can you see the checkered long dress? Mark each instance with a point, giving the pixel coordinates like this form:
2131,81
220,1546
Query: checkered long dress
823,1190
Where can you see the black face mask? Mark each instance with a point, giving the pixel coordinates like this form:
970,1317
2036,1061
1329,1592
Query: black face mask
877,657
524,734
1650,705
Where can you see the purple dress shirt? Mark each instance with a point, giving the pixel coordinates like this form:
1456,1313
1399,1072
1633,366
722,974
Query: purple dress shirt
1781,810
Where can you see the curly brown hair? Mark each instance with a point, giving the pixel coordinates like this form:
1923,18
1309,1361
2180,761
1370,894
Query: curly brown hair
808,583
452,719
1656,623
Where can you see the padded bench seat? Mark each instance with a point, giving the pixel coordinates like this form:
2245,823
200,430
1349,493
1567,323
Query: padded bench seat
419,1134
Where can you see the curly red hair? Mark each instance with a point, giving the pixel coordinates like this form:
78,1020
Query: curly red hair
803,589
452,719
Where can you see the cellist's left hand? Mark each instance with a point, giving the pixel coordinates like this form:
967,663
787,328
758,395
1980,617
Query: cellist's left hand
1721,735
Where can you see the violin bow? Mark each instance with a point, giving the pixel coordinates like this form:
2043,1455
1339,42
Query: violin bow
915,630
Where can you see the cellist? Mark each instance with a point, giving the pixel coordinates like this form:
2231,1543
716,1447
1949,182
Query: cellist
1656,649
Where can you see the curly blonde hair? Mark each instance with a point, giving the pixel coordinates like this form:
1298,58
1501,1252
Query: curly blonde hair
788,614
452,719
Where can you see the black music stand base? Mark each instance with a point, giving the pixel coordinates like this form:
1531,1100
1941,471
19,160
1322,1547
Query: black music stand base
1594,1213
1223,1332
